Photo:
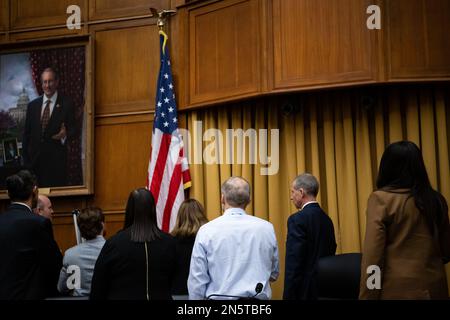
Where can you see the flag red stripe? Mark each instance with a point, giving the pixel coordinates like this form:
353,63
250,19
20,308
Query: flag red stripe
158,173
173,191
186,176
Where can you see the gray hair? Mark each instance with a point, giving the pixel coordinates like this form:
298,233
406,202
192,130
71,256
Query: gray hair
308,182
236,191
40,202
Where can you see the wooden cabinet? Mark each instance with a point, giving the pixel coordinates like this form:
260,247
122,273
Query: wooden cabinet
224,51
322,42
243,48
418,39
32,14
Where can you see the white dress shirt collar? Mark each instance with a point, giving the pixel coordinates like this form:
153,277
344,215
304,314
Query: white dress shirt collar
52,98
98,238
23,204
309,202
234,212
52,104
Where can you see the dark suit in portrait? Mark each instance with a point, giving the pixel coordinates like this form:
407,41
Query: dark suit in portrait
45,155
31,259
310,237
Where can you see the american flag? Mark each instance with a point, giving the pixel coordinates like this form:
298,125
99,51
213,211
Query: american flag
168,171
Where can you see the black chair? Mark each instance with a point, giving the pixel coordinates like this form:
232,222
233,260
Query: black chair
338,276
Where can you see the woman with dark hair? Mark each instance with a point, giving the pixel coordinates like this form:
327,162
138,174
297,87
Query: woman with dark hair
407,231
191,216
138,263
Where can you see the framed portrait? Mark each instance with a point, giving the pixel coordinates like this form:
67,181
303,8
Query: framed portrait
46,116
10,150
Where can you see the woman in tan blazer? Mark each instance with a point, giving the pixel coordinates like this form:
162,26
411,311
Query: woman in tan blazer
407,231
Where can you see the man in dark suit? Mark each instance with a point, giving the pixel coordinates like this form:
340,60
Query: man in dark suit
310,237
49,125
30,257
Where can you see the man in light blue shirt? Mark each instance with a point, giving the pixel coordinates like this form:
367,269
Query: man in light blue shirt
79,261
235,253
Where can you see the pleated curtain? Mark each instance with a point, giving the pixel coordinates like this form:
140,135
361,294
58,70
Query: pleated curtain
336,135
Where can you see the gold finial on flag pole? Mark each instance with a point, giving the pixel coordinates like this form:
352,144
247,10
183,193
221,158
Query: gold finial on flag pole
162,16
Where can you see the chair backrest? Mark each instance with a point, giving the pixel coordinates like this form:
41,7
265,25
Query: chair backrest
338,276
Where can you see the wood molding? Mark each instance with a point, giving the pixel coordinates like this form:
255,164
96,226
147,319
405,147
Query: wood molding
125,107
107,9
115,119
54,33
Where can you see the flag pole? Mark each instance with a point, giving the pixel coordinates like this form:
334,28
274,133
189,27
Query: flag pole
168,169
75,224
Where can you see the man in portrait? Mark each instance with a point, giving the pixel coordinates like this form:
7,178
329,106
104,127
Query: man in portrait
49,126
10,151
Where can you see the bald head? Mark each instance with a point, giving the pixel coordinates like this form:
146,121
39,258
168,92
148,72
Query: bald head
235,192
44,207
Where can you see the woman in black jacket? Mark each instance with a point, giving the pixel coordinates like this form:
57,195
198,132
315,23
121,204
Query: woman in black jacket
138,263
191,216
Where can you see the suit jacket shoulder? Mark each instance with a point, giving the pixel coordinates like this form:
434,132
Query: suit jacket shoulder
37,101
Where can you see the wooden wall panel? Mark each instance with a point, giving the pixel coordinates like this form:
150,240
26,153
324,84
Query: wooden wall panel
121,161
107,9
4,15
224,50
44,34
64,231
126,69
418,38
319,42
31,13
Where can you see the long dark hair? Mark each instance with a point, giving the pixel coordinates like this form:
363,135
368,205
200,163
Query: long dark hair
402,167
140,216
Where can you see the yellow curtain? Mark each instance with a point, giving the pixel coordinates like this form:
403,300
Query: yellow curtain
338,136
